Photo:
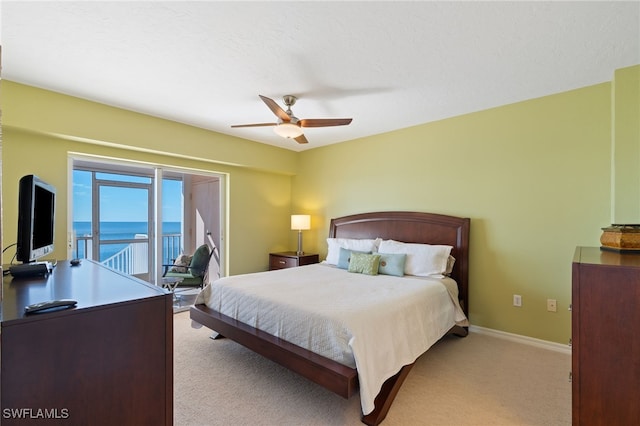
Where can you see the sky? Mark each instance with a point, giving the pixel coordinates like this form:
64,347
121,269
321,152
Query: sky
124,204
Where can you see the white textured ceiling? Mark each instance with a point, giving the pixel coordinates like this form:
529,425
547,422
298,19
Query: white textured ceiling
387,65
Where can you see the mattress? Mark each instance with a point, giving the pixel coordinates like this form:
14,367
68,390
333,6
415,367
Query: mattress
376,324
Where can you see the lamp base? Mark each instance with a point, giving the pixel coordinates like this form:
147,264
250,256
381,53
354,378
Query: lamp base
299,252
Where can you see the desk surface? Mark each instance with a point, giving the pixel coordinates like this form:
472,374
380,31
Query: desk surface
90,283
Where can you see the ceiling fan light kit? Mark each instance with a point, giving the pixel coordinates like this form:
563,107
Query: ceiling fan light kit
288,125
288,130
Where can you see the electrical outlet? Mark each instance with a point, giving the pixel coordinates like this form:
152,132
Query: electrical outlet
552,305
517,300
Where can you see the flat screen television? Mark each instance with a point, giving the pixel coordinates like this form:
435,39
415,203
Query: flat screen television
36,219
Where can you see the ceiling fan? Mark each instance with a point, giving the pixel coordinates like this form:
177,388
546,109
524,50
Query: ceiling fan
290,126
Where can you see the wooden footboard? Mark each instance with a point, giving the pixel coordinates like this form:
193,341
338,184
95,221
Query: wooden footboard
330,374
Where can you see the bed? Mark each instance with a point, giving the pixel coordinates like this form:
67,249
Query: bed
327,371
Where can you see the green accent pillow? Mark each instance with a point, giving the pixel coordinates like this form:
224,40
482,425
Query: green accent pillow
392,264
345,257
363,263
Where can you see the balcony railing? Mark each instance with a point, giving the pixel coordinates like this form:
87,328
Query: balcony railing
134,257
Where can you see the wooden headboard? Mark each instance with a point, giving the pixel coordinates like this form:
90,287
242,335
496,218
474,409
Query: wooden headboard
414,227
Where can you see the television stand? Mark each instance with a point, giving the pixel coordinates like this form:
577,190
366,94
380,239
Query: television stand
106,361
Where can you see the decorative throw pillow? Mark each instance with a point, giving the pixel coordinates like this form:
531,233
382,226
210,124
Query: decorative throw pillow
392,264
364,263
345,257
181,263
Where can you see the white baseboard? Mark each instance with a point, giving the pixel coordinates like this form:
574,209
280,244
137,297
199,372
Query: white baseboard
545,344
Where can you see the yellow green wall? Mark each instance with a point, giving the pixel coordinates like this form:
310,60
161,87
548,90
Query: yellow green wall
536,178
41,128
532,176
626,146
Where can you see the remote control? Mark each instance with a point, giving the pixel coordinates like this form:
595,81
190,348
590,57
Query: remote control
50,305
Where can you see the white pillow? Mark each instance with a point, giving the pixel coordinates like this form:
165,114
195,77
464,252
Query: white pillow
450,262
422,259
363,245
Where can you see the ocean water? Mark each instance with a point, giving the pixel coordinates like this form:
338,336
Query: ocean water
122,231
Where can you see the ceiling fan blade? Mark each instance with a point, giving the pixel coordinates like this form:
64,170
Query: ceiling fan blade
254,125
301,139
324,122
273,106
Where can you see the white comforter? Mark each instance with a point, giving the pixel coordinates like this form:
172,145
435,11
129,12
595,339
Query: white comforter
376,324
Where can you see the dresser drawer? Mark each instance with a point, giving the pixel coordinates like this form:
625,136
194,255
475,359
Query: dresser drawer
291,259
281,262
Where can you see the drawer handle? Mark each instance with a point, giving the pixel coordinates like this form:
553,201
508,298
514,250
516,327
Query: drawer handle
282,262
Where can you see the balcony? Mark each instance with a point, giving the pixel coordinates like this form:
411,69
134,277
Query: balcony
132,257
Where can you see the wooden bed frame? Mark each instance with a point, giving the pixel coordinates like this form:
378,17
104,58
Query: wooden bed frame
410,227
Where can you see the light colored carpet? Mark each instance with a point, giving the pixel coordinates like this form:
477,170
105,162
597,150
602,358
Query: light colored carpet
476,380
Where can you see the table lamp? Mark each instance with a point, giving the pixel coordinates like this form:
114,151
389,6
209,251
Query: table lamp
300,222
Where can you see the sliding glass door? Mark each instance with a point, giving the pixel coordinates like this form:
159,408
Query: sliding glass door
115,212
123,225
113,219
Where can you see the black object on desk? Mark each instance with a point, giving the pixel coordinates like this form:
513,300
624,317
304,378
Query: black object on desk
50,305
34,269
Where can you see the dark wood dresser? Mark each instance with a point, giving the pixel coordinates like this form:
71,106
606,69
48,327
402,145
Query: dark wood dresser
605,342
107,361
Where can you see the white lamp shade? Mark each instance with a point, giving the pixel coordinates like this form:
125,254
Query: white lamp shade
288,130
300,221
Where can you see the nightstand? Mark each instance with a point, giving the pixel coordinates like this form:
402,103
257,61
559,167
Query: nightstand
289,259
